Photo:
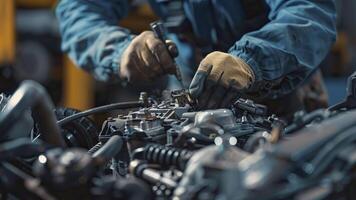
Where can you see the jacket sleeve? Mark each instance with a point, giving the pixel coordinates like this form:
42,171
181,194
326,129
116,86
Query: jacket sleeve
91,35
287,49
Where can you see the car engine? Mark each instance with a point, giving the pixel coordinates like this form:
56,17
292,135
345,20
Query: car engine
165,148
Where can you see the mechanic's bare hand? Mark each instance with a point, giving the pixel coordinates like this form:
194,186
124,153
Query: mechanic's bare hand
219,79
147,58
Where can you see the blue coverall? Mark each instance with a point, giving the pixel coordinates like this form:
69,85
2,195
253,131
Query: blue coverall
285,50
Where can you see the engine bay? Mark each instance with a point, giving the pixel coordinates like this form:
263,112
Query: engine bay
165,148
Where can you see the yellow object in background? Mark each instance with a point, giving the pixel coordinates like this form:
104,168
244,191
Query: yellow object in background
7,32
36,3
139,19
78,87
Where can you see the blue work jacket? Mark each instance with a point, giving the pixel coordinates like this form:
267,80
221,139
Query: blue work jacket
283,51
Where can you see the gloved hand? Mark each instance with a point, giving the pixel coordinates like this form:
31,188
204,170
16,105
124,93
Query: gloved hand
147,58
219,79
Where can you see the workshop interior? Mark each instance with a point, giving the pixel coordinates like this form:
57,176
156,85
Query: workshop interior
64,134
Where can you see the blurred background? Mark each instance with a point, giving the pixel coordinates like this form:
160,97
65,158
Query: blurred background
30,49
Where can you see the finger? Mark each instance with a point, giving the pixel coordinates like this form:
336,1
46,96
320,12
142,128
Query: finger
160,51
197,85
136,72
217,96
126,64
151,64
141,58
231,95
209,86
205,67
172,48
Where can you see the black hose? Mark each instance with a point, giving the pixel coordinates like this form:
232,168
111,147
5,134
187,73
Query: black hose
101,109
317,114
22,147
327,153
31,95
110,148
306,143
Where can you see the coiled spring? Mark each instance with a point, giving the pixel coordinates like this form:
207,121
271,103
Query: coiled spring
167,156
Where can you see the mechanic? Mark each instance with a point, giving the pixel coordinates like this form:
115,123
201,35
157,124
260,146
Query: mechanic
260,49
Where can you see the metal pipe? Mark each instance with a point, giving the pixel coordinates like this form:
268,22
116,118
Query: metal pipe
140,169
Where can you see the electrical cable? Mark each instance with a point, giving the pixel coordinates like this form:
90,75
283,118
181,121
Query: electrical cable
101,109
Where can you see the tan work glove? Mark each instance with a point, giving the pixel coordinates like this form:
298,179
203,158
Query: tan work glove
147,58
219,79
